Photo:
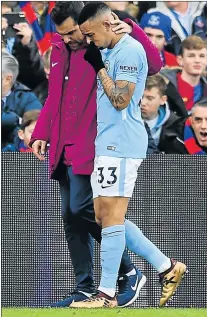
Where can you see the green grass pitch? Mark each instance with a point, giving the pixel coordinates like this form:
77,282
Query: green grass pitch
164,312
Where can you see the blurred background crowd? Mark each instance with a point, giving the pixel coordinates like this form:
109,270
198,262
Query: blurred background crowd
177,29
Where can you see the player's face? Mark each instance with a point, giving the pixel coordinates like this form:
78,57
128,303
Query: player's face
71,34
150,103
194,61
199,125
97,32
157,37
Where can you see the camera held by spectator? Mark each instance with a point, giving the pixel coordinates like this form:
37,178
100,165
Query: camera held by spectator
18,40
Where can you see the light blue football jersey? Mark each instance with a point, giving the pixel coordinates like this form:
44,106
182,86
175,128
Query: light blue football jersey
122,133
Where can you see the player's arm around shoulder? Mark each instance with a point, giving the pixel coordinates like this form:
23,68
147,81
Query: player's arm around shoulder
127,67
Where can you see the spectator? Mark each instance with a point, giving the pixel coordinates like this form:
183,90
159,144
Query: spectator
187,86
154,107
187,19
16,99
23,136
24,48
158,28
187,136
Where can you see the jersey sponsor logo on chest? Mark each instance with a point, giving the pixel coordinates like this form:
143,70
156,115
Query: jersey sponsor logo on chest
130,69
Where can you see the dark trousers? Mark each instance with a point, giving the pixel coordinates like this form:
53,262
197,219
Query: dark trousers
80,226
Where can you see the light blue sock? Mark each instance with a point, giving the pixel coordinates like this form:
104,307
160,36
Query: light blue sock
112,248
140,245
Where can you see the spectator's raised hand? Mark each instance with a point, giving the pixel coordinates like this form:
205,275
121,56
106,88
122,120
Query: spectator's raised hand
25,31
119,26
39,149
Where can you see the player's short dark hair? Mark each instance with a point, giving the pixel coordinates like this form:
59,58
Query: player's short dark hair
65,9
91,10
158,82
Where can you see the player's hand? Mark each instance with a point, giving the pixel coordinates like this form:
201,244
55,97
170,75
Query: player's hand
25,31
119,26
39,148
93,57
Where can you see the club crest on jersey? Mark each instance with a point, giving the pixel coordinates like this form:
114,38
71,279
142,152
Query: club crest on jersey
106,64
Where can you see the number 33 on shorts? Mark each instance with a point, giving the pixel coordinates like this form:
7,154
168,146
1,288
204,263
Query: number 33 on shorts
114,176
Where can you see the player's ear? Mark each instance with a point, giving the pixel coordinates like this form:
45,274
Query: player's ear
107,25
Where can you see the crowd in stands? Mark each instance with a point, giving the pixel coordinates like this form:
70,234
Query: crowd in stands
174,104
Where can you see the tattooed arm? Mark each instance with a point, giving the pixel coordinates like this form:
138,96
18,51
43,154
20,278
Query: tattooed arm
119,92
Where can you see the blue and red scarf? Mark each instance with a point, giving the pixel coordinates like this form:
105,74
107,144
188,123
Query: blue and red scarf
43,38
190,141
